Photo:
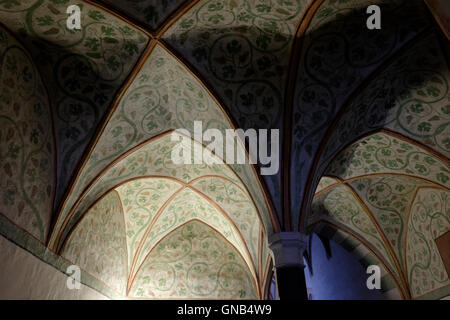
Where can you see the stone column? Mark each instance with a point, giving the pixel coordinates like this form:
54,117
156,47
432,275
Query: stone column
287,249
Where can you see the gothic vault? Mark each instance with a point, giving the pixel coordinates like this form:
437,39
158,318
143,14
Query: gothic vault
86,117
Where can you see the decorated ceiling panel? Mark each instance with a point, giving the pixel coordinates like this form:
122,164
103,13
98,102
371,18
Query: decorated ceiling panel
235,202
171,195
339,54
265,258
98,244
194,261
152,158
410,97
385,153
86,67
27,147
389,199
326,182
390,287
242,48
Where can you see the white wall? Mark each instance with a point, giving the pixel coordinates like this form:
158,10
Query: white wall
23,276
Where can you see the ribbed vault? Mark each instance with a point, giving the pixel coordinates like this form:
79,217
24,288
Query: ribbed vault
86,148
394,196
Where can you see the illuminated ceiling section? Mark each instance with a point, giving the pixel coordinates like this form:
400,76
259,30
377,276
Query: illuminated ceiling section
142,200
185,206
194,261
414,101
233,200
157,196
163,96
98,244
85,67
133,221
27,149
385,152
339,54
242,49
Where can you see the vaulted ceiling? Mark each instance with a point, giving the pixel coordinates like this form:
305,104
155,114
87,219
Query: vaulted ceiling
87,115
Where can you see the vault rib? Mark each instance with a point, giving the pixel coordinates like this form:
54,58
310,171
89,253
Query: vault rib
383,237
294,63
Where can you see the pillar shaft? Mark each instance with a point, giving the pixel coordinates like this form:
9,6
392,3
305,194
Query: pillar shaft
287,249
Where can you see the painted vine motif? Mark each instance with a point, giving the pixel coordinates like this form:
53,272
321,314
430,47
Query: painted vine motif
163,96
98,245
194,261
383,153
411,97
417,76
236,203
153,158
141,199
339,54
411,214
388,199
86,67
27,150
340,205
186,206
325,182
389,285
243,49
429,219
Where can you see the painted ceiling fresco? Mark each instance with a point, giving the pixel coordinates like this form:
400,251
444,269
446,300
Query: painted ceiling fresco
163,97
394,195
27,147
242,49
87,115
172,240
194,261
86,67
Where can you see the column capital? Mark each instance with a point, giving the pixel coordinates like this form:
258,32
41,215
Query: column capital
288,248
